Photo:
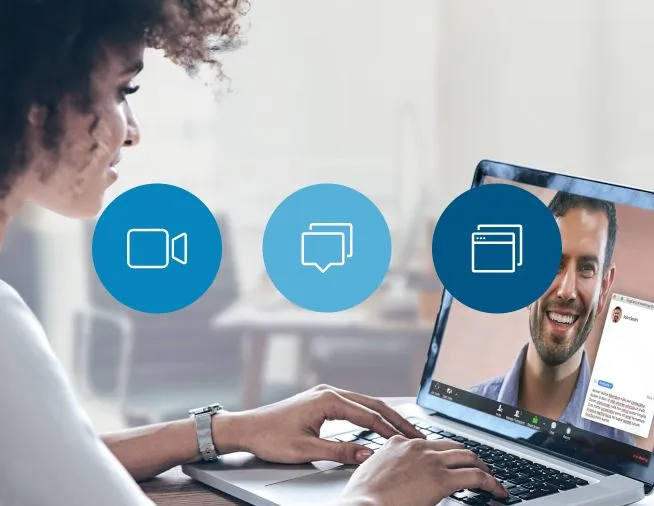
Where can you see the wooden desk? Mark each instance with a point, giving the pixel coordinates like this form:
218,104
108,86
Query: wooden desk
256,319
173,488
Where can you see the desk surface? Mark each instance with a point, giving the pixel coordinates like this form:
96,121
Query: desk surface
173,488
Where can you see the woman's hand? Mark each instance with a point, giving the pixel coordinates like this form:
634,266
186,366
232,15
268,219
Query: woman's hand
289,431
417,473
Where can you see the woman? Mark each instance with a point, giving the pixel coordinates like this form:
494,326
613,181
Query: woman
66,69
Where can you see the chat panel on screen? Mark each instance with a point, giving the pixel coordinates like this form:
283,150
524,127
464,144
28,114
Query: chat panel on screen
621,392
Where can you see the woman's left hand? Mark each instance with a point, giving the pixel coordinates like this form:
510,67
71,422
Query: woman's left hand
289,431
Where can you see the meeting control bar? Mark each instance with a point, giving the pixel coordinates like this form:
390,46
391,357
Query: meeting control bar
532,420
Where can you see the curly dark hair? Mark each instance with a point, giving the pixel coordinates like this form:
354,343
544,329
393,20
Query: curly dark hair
50,48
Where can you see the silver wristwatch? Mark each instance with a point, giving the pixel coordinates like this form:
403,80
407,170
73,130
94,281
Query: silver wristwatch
202,417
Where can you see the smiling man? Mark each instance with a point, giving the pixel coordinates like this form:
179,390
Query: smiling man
551,374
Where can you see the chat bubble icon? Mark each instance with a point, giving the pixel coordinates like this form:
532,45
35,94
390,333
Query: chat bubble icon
323,250
345,228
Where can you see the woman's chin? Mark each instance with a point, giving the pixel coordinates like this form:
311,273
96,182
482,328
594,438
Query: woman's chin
83,210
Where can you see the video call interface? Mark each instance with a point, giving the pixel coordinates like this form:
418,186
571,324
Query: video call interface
579,359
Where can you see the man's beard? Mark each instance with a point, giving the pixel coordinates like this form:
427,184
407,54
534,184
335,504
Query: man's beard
551,354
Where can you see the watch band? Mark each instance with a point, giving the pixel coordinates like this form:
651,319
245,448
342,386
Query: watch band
202,417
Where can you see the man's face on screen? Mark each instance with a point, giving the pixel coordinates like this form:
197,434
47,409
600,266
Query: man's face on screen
617,313
562,318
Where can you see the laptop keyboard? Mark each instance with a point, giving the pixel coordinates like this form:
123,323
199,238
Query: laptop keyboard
524,479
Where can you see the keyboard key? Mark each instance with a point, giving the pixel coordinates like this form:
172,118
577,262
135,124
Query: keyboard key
517,490
547,489
579,482
519,479
446,434
373,446
471,444
434,437
379,440
507,500
481,492
459,439
475,500
347,438
460,494
421,425
534,494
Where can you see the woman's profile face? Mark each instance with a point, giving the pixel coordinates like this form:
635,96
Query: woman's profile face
74,183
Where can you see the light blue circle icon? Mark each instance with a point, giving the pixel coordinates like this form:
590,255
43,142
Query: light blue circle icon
497,248
327,248
157,248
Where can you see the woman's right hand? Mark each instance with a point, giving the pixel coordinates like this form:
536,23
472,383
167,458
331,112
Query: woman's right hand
418,472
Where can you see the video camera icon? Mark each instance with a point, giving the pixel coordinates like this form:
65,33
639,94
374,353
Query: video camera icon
152,248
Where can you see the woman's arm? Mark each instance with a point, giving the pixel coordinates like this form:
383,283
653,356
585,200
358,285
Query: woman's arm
152,449
285,432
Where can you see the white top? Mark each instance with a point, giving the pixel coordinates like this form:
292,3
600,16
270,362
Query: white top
49,453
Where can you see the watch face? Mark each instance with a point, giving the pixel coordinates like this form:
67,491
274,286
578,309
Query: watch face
212,408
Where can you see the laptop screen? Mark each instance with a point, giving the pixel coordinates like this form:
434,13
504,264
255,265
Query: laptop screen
573,371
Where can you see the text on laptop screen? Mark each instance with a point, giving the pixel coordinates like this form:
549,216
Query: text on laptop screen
579,358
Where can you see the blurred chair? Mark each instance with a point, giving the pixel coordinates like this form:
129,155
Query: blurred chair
156,367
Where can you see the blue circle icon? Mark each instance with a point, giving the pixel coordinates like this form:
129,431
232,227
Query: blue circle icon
497,248
327,248
157,248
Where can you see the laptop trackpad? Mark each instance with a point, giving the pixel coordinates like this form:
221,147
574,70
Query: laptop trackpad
305,489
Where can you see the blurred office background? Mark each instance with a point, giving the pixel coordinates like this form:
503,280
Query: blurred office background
399,101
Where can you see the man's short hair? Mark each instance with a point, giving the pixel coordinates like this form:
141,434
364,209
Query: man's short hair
564,202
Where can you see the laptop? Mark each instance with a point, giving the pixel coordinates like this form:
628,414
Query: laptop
599,450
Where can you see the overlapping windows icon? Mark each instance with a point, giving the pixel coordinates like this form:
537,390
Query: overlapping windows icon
497,248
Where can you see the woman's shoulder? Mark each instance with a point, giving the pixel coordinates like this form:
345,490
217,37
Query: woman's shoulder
7,292
21,330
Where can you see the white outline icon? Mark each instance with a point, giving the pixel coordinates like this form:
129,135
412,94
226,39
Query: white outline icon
518,237
479,238
183,236
348,226
329,232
